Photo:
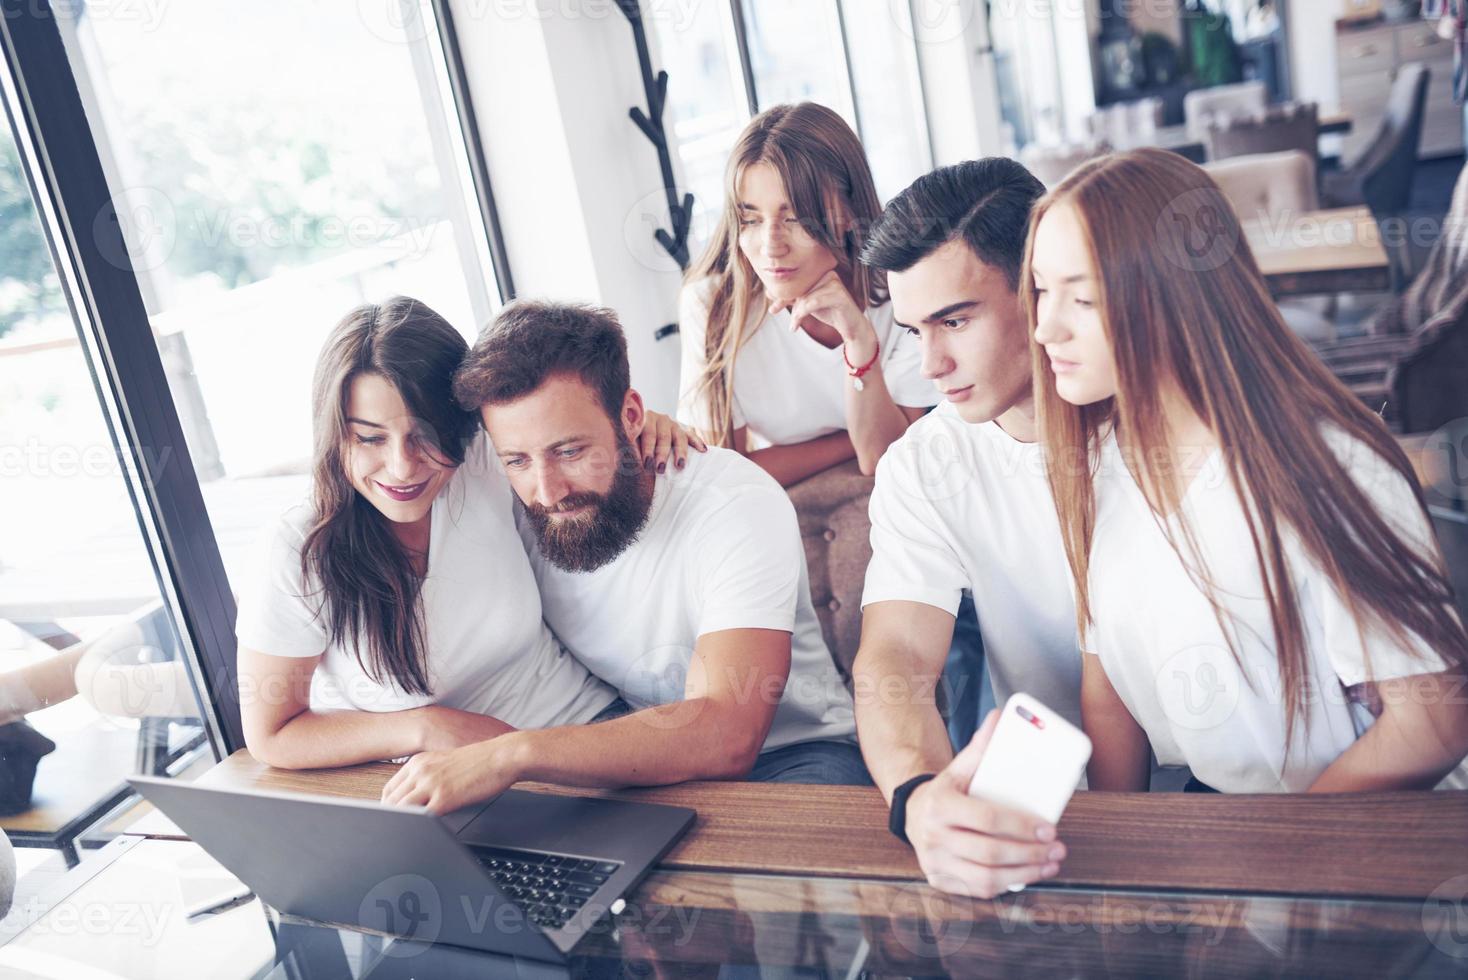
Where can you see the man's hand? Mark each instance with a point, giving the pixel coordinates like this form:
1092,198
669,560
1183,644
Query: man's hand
971,847
446,728
445,781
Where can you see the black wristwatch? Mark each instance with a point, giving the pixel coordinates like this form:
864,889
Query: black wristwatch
897,819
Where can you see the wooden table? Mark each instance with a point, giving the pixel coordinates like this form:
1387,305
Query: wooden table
1392,845
1320,252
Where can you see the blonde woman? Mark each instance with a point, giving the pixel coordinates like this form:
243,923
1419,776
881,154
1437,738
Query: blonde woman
1259,591
790,353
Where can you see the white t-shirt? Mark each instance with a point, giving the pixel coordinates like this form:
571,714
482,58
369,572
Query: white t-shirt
720,550
488,649
787,387
962,506
1167,657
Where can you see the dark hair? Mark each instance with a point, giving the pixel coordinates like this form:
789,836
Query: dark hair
984,202
530,341
368,586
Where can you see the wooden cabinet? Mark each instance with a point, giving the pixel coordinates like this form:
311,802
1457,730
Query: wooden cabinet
1366,59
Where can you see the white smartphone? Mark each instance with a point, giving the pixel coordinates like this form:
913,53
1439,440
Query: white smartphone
1034,761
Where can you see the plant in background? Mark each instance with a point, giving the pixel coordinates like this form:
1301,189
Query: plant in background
29,292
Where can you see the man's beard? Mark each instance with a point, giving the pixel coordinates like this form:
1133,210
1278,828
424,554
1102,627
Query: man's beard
611,524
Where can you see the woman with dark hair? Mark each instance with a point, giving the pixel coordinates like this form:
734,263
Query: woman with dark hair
1258,589
790,353
396,612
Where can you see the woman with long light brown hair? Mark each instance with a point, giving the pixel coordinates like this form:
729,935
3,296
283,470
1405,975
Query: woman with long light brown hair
790,352
1260,594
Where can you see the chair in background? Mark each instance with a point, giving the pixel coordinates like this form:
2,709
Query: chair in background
837,533
1051,164
1290,126
1201,105
1414,363
1264,188
1452,535
1381,175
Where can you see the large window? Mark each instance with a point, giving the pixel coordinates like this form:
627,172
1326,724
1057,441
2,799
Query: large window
268,166
274,165
93,684
889,96
707,104
856,56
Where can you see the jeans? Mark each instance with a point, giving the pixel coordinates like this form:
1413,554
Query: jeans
827,763
616,709
824,762
965,681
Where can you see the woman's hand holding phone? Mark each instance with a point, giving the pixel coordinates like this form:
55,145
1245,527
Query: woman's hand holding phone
969,846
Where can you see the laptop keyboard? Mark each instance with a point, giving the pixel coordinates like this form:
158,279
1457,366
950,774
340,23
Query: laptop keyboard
551,888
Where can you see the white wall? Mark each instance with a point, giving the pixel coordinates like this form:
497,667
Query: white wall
958,79
577,184
1312,51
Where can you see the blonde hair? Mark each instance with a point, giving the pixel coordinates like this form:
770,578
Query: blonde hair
824,169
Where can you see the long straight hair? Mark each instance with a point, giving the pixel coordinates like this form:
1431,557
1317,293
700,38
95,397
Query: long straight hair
1184,306
368,588
824,169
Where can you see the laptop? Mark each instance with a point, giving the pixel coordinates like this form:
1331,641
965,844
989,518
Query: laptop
526,874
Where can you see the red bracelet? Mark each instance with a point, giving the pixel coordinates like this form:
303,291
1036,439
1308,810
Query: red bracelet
857,372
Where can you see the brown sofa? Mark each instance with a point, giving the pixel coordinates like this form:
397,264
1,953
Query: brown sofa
832,507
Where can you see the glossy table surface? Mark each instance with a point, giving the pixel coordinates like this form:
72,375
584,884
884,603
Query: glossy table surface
1384,845
128,921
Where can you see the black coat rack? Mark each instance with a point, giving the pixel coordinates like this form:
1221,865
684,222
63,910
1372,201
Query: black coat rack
680,210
